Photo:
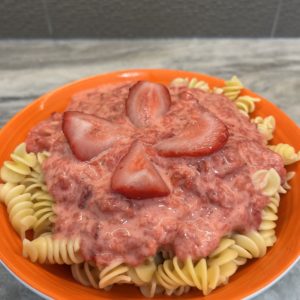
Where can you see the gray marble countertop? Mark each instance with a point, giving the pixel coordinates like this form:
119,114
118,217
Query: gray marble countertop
269,67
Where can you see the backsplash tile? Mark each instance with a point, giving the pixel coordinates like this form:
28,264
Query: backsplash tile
169,18
148,18
22,19
289,19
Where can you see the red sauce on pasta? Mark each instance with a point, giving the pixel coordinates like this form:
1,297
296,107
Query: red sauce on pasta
211,196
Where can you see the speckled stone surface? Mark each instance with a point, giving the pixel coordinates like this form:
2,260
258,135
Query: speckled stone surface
269,67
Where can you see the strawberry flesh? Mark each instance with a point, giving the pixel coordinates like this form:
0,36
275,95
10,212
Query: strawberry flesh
203,136
147,102
88,135
136,177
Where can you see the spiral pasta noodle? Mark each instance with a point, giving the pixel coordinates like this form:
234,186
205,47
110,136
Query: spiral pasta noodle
43,211
15,171
252,243
180,81
86,273
47,249
25,170
287,152
266,126
269,218
194,83
19,207
268,181
225,258
118,273
217,90
232,88
289,176
43,202
270,185
114,273
204,275
41,157
246,104
269,213
142,274
22,165
89,275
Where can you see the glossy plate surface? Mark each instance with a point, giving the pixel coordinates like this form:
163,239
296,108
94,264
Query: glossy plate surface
56,281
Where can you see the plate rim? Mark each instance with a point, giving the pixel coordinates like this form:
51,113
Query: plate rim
134,72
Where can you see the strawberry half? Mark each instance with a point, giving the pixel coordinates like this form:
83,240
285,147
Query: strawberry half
136,177
88,135
204,136
147,102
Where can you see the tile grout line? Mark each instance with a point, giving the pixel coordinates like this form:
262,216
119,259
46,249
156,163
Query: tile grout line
276,19
47,17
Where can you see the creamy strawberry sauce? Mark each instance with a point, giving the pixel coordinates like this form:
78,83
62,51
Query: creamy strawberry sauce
211,196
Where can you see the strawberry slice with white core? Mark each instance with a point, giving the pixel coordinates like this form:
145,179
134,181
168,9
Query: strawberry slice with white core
136,177
204,136
147,102
88,135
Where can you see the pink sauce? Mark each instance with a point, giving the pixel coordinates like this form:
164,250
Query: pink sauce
211,196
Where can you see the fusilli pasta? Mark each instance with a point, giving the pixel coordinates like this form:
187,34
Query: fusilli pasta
266,126
15,171
86,273
89,275
25,170
217,90
251,242
43,207
269,217
205,276
232,88
289,176
193,83
143,273
287,152
47,249
19,207
246,104
114,273
268,181
271,187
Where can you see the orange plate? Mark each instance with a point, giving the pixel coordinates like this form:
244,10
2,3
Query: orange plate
56,281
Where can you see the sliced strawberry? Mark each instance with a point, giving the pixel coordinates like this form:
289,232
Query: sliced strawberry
136,177
205,135
147,102
88,135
